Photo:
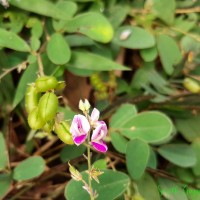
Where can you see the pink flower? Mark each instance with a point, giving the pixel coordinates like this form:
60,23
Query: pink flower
94,117
79,129
98,135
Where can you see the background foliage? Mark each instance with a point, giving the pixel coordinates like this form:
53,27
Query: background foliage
135,60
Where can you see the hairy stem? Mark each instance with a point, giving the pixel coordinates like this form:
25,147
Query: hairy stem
89,168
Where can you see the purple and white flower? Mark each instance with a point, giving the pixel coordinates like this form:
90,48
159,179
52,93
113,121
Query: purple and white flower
98,135
79,129
94,117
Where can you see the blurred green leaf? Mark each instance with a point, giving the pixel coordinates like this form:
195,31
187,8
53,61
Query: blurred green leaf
28,76
92,24
4,153
149,54
43,7
5,183
70,152
58,50
100,164
189,128
148,187
112,184
171,190
169,52
133,38
30,168
137,156
196,167
181,155
164,9
12,41
90,61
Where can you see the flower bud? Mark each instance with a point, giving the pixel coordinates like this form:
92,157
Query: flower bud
84,106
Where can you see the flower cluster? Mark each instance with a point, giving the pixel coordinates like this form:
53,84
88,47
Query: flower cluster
82,125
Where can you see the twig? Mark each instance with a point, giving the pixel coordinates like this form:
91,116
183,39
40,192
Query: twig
7,71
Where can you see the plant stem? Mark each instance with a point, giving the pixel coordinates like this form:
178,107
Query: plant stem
89,168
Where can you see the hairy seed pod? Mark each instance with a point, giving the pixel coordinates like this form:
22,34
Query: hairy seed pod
48,106
31,98
48,127
46,83
34,120
61,85
62,130
97,83
191,85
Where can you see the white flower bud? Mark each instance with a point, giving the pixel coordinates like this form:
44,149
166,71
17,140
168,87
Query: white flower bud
84,106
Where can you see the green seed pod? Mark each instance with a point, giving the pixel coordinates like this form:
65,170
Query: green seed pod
34,120
191,85
48,106
48,127
61,85
46,83
97,83
62,130
31,98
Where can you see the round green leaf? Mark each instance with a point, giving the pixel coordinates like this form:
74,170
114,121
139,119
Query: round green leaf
122,115
58,50
148,188
196,167
92,24
111,185
137,156
181,155
119,142
100,164
149,54
70,152
150,126
29,168
133,38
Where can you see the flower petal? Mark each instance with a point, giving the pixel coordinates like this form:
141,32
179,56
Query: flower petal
95,115
100,146
100,131
84,123
79,139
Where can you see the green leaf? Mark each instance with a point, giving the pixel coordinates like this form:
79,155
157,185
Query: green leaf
169,52
100,164
28,76
12,41
112,184
150,126
4,153
43,7
148,188
92,24
5,183
137,156
90,61
149,54
171,190
67,7
58,50
79,40
123,113
70,152
133,38
196,167
30,168
164,9
179,154
152,162
119,142
189,128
